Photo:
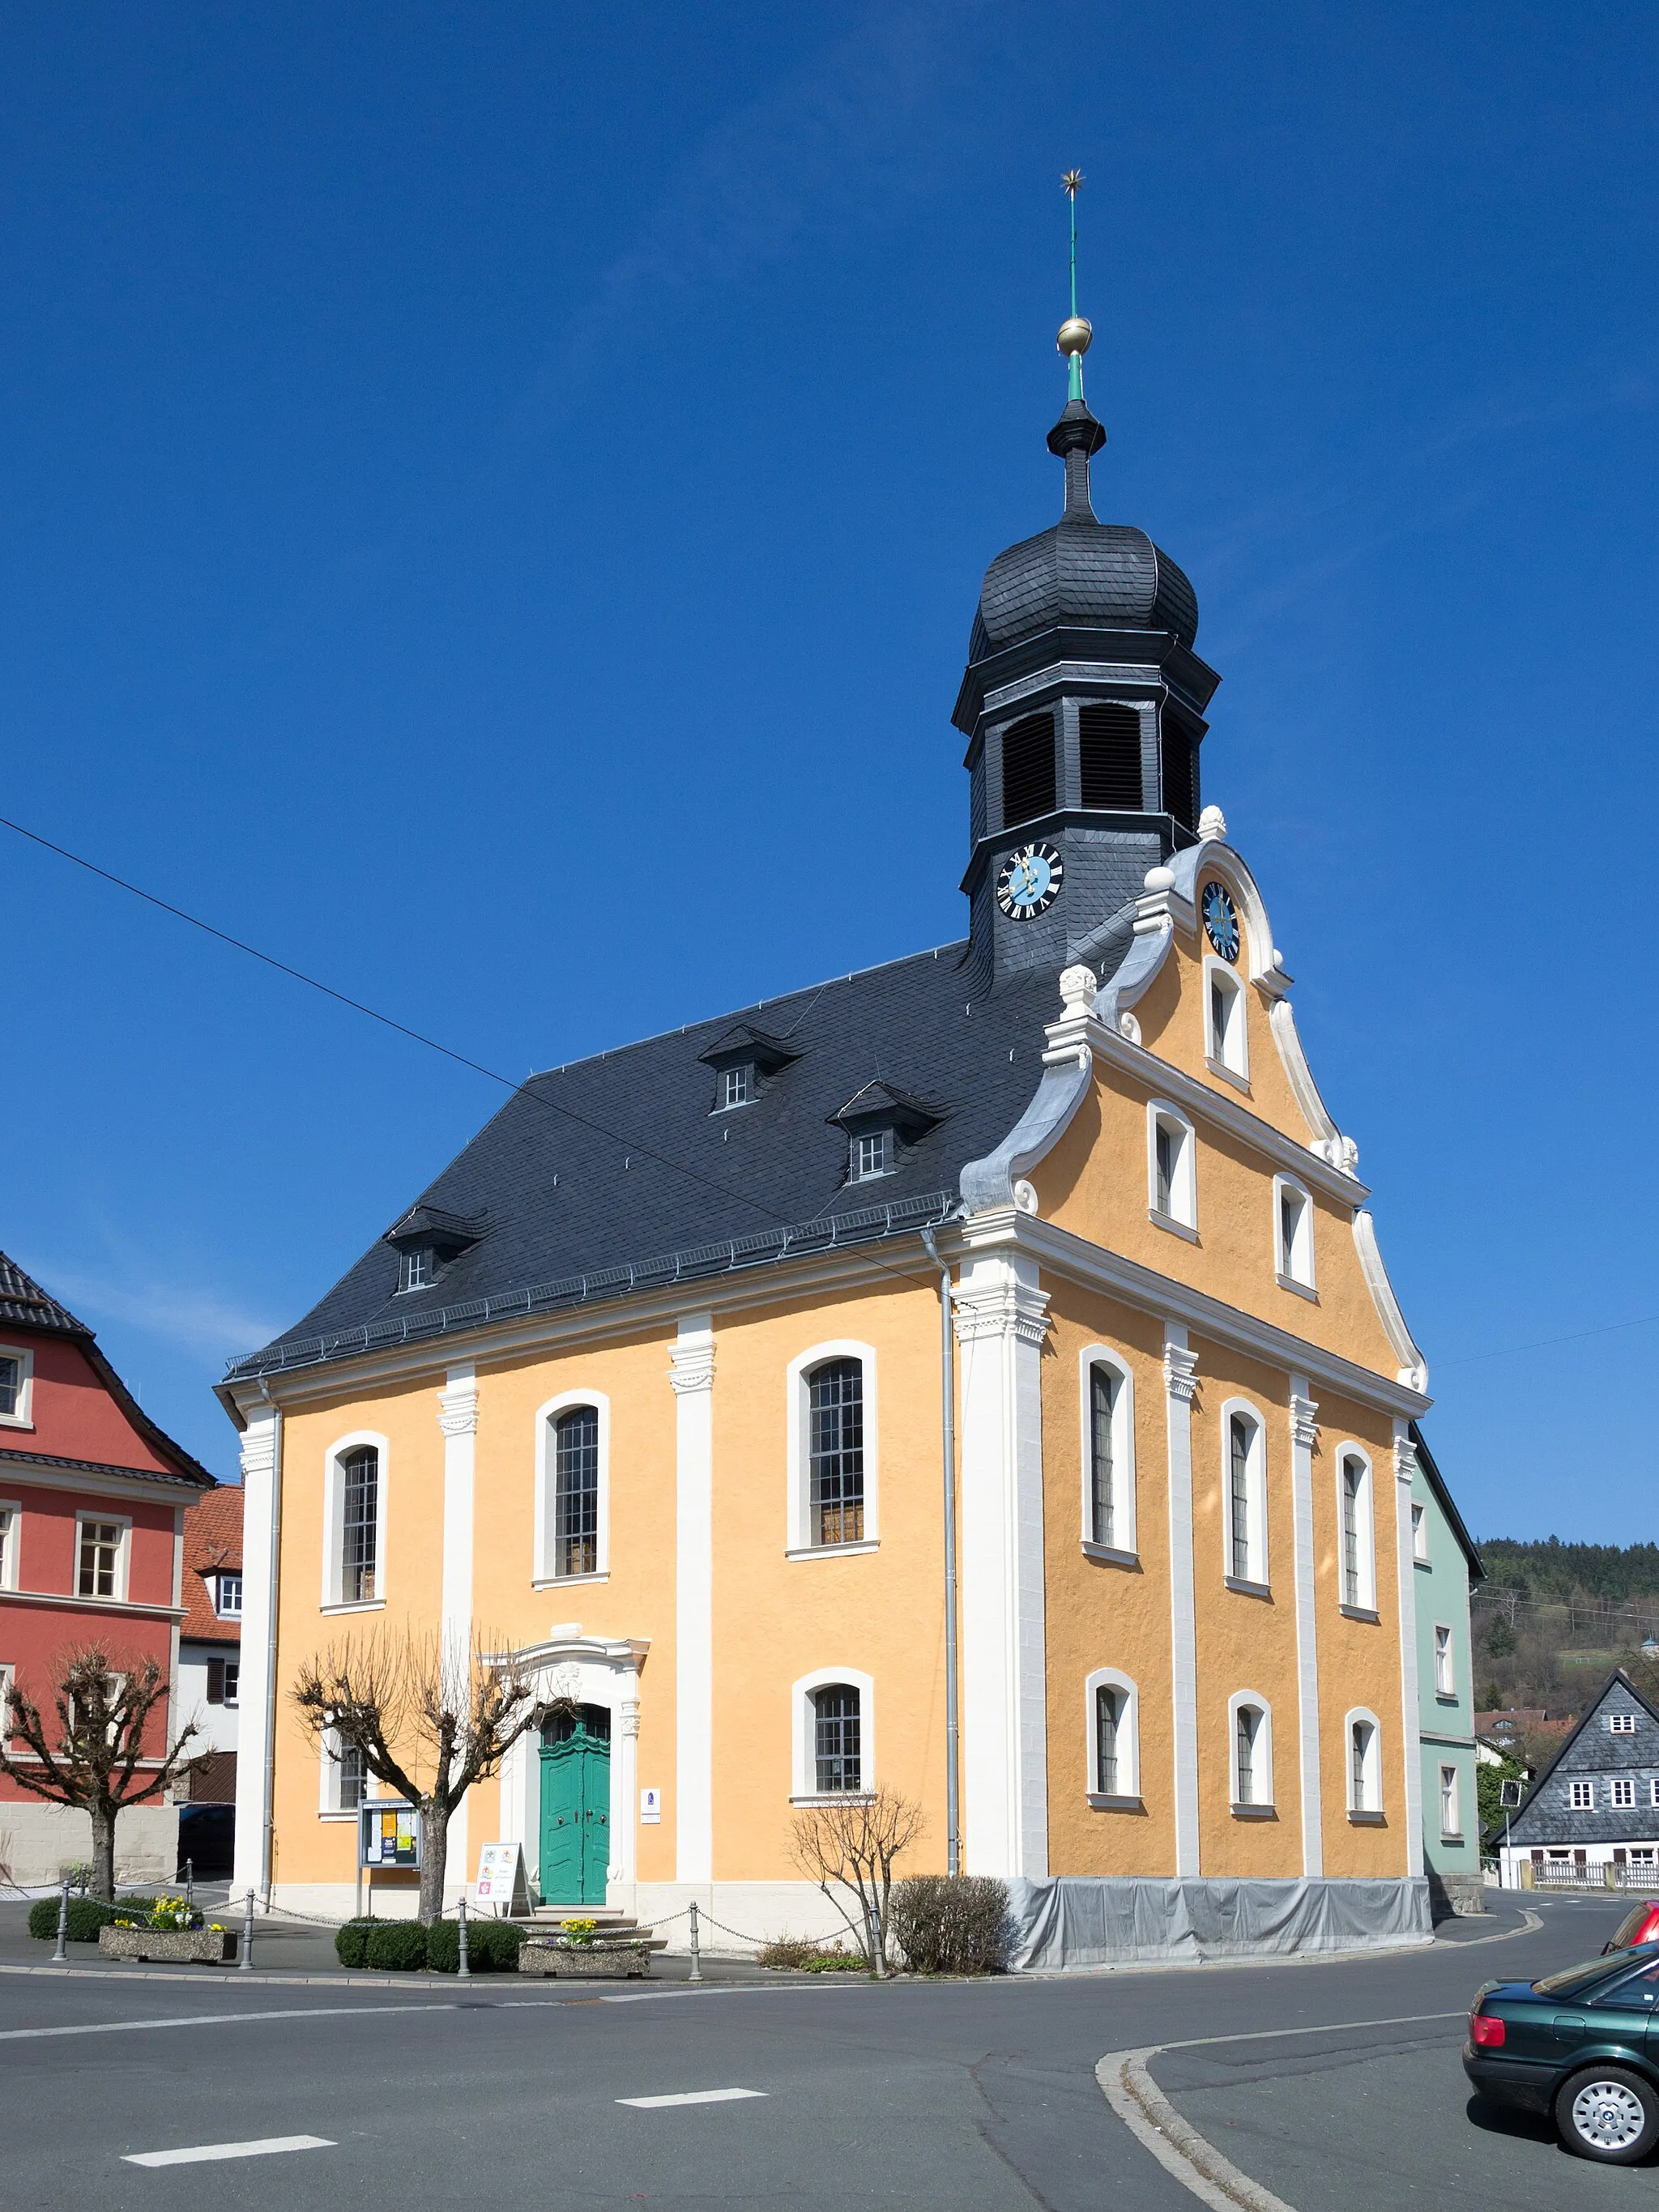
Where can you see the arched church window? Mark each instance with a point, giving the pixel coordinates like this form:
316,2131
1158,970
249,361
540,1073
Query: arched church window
576,1491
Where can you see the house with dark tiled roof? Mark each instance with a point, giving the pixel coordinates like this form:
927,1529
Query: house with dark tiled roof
975,1376
92,1500
1591,1816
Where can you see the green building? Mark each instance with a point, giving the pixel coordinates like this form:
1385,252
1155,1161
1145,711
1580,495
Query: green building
1448,1567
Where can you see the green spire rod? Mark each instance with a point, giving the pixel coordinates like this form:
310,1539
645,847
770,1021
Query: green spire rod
1070,183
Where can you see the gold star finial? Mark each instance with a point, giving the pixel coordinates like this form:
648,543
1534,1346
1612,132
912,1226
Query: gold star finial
1071,181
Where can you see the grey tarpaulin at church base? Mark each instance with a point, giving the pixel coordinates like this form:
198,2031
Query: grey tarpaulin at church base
1076,1920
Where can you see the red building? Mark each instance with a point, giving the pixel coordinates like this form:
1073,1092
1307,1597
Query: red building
92,1498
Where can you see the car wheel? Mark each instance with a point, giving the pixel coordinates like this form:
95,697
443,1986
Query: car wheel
1609,2114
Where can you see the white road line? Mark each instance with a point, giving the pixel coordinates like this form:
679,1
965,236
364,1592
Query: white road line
215,2019
263,2148
691,2097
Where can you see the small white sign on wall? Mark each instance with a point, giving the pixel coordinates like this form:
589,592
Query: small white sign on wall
650,1807
501,1887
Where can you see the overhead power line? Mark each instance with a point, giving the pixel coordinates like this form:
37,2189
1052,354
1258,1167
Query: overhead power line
631,1146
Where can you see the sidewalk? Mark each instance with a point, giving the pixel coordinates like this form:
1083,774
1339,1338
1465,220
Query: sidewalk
286,1951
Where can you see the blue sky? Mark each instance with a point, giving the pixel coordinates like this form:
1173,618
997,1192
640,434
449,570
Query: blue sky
491,504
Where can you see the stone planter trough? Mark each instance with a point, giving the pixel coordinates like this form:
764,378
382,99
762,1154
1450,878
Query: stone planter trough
585,1962
192,1946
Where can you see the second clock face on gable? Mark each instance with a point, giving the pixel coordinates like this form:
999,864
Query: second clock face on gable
1028,881
1220,920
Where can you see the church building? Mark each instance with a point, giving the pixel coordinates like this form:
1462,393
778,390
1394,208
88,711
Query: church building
977,1376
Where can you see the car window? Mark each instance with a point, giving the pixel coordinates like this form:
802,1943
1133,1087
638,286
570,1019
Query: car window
1572,1981
1639,1989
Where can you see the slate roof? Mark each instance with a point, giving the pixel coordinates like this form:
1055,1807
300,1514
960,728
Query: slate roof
24,1304
1593,1753
617,1168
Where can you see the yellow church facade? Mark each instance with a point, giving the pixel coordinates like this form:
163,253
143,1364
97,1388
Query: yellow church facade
651,1387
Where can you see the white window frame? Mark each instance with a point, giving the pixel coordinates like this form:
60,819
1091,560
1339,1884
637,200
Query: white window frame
1627,1804
856,1172
1653,1793
1364,1600
23,1417
1452,1821
1293,1262
1129,1739
797,1425
1373,1764
1262,1749
223,1575
1256,1479
333,1600
741,1075
1581,1797
1420,1534
1445,1661
1618,1724
1123,1453
1183,1214
803,1744
542,1576
424,1258
1227,1054
11,1512
329,1806
86,1515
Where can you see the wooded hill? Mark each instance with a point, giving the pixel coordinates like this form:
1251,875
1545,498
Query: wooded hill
1551,1618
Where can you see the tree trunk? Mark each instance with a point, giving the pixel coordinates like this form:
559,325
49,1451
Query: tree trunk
434,1859
103,1852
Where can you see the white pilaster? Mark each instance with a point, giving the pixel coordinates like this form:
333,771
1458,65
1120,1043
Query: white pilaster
457,1418
1001,1319
1405,1471
1180,1384
692,1378
1304,1435
623,1869
262,1461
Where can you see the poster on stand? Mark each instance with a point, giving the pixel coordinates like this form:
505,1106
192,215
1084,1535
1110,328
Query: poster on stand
501,1888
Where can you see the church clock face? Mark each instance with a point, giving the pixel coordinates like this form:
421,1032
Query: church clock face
1220,921
1028,881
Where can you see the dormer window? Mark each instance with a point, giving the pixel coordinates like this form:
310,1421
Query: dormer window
744,1059
426,1241
228,1602
871,1155
737,1084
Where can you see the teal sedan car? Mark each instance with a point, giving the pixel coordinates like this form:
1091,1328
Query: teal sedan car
1582,2046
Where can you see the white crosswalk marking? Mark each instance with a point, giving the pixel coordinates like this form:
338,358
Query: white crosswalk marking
263,2148
691,2097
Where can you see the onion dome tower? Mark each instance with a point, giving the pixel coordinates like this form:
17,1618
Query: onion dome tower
1082,704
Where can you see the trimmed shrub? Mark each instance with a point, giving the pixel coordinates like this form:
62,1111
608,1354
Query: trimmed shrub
492,1946
497,1941
945,1926
87,1914
397,1946
351,1941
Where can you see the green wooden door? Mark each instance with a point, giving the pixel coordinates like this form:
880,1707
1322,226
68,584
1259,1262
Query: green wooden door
575,1819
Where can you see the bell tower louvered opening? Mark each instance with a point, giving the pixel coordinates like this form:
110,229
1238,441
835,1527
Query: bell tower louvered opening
1028,770
1109,756
1180,776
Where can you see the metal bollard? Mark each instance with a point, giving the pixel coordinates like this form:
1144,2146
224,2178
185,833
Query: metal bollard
695,1974
464,1966
244,1963
60,1956
190,1884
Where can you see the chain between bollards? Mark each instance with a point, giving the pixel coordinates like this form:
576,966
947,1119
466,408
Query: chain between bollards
695,1974
464,1965
60,1956
244,1963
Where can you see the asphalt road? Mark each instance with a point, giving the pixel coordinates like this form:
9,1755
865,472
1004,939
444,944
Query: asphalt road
947,2094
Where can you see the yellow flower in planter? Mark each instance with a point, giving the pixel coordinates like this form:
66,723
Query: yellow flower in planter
581,1931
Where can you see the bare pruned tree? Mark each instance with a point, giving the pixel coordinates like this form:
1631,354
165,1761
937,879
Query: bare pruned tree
847,1847
93,1758
431,1716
